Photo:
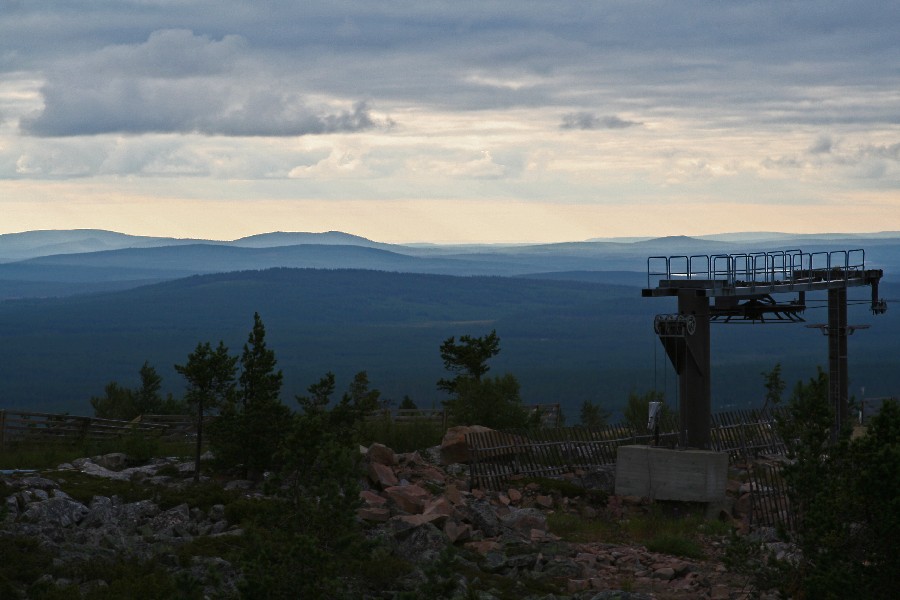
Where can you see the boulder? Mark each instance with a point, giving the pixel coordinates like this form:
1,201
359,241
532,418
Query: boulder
453,445
525,519
60,512
382,474
408,498
114,461
381,454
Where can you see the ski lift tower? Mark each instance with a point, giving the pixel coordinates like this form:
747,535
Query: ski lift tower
743,289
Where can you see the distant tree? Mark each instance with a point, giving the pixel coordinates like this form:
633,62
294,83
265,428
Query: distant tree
493,402
476,400
147,397
774,385
254,422
210,376
467,358
593,415
407,404
125,404
116,403
319,395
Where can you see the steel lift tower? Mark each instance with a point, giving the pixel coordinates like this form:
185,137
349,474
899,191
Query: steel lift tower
742,287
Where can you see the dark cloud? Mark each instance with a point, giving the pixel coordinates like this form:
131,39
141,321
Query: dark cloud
724,63
178,82
586,120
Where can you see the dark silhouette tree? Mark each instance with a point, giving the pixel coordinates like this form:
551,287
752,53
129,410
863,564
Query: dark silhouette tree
467,358
475,399
210,376
593,415
119,402
254,422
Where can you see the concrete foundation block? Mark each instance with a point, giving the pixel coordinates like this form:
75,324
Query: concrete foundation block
664,474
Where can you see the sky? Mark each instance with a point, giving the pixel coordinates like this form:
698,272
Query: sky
451,122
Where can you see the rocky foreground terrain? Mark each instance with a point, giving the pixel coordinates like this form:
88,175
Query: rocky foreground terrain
417,504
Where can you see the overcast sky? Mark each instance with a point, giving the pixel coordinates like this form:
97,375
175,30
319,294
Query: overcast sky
450,121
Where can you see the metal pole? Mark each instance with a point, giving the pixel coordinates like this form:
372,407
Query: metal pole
838,385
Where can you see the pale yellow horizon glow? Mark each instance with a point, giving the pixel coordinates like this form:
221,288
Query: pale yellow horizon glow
59,205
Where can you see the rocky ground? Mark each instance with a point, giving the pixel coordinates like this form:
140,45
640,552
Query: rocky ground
418,504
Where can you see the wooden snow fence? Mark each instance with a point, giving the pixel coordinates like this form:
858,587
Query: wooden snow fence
769,503
745,434
18,426
498,456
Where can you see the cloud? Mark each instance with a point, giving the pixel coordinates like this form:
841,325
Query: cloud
178,82
823,145
587,121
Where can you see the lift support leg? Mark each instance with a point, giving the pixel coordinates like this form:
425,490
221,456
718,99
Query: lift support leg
838,386
689,355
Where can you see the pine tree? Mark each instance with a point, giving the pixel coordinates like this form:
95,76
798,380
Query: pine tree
210,376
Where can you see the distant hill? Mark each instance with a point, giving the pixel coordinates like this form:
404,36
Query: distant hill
62,263
31,244
327,238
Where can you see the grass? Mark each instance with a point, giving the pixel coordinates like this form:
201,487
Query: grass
402,436
672,528
38,454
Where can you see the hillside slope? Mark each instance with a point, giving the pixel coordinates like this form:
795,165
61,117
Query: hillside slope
566,341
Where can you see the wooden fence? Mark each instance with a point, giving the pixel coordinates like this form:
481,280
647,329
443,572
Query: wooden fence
499,455
769,503
549,415
19,426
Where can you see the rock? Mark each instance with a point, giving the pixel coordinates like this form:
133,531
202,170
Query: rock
483,547
417,520
525,519
452,493
453,445
382,474
742,506
172,522
408,498
457,532
381,454
35,482
216,513
114,461
100,512
578,585
130,516
544,501
482,516
60,512
421,544
438,506
371,498
664,573
374,514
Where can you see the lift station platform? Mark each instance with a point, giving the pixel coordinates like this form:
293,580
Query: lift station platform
743,289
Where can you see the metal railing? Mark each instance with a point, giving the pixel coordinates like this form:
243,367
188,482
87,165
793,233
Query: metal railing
758,268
